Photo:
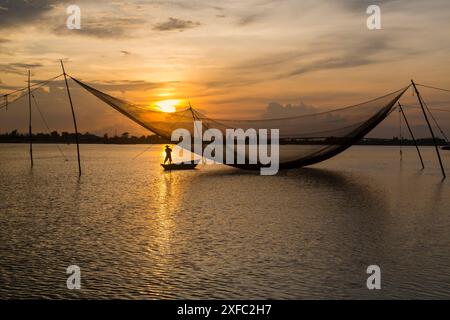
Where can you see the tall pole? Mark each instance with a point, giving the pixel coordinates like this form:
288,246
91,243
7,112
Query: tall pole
29,119
74,119
412,135
400,135
419,97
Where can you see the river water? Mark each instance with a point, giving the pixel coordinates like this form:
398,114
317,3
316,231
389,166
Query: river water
137,232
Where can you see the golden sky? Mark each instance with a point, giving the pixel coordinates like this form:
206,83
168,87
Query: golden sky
230,58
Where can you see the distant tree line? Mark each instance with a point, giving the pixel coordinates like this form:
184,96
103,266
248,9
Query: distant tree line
395,141
66,137
125,138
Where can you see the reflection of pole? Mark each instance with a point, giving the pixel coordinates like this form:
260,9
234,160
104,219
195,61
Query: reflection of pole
411,133
29,119
197,135
419,97
74,119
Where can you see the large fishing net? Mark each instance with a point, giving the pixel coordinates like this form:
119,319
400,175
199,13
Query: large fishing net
304,140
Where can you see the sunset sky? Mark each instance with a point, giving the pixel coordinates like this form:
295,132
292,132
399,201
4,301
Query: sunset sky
229,58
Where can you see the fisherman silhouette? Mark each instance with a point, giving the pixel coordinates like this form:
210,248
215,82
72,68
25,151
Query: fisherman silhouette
168,155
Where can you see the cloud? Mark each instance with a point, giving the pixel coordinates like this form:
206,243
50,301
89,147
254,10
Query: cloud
176,24
112,27
330,52
361,5
192,5
122,86
276,110
249,19
19,68
256,11
4,41
342,52
14,13
51,15
331,63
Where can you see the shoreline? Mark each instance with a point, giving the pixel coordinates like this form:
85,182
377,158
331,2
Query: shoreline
408,143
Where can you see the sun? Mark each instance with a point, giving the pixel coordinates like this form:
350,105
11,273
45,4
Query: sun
168,105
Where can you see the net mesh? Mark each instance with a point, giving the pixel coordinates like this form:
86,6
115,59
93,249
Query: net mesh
304,140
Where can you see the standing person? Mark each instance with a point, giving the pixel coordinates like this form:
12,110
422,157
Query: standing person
168,155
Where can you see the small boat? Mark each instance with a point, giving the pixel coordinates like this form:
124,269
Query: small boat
181,166
447,147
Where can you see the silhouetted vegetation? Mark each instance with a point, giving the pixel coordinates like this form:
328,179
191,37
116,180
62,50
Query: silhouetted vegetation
126,138
395,141
66,137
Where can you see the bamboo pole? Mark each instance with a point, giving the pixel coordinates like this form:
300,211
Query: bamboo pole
74,119
419,97
29,119
412,135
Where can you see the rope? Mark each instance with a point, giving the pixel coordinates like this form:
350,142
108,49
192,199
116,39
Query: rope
11,102
195,117
46,125
428,109
431,87
141,153
429,112
313,114
432,117
38,85
435,121
418,107
33,85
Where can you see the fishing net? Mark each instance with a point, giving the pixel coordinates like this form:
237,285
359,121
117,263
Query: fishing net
304,140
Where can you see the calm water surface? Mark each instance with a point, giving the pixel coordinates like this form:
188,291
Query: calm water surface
217,232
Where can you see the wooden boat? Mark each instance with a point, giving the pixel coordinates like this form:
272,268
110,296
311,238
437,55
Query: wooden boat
180,166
